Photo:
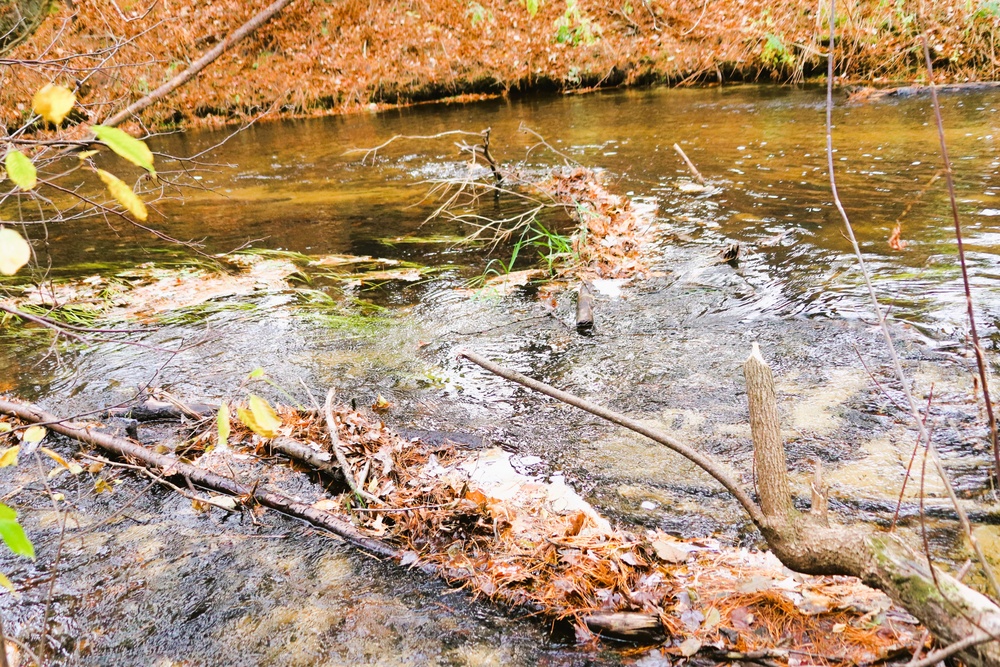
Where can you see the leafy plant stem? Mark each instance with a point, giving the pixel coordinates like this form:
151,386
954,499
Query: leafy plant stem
950,180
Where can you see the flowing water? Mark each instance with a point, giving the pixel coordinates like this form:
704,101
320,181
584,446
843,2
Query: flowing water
161,584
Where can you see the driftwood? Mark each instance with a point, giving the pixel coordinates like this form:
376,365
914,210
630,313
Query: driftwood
690,165
954,613
867,94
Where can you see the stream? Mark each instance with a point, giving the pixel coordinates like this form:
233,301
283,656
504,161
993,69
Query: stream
161,584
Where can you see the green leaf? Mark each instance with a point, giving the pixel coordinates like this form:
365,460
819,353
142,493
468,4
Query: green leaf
256,373
13,535
20,170
134,150
14,252
223,423
5,583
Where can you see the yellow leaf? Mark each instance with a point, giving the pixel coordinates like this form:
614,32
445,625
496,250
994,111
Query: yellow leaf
34,434
123,193
248,420
14,251
83,155
8,457
102,486
5,427
5,583
74,468
265,416
223,424
53,102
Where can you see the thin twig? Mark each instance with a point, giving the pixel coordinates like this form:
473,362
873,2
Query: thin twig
950,650
950,180
345,466
690,165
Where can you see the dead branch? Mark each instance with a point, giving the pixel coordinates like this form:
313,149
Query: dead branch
705,463
345,466
765,427
169,466
207,59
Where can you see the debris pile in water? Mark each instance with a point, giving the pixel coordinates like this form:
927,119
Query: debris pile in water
482,519
613,236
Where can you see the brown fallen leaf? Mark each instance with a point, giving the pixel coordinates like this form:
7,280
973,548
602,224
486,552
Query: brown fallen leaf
669,553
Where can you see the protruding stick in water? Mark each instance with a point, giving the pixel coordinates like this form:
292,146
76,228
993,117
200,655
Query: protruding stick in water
694,170
585,308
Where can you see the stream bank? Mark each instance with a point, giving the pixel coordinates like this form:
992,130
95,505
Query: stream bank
322,58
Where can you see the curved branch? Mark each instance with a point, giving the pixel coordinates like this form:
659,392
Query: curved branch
707,464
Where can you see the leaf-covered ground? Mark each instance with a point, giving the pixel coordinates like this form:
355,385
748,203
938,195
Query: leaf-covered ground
319,58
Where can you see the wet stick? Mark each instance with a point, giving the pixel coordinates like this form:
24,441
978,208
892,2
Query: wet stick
690,165
345,466
585,308
168,466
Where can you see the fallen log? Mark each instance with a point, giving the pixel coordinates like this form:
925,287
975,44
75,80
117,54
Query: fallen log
868,94
952,611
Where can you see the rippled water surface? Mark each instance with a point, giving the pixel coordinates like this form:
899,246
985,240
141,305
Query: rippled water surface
167,586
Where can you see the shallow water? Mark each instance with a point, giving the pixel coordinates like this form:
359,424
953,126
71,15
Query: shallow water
667,351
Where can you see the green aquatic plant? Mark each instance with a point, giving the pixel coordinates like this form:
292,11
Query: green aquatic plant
554,251
346,314
200,312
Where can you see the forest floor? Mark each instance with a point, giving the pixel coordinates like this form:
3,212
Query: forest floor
320,58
